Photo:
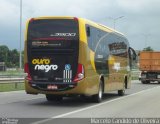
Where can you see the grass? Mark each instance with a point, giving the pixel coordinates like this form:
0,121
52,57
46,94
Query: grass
4,87
11,87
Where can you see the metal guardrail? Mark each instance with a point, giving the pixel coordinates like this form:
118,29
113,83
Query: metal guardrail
11,80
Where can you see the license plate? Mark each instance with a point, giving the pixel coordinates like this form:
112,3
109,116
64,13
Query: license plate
52,87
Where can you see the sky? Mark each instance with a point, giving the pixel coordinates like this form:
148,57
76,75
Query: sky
140,21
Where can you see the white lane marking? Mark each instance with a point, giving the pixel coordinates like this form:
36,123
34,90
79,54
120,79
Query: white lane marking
86,108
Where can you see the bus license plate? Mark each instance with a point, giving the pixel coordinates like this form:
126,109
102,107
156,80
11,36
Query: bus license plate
52,87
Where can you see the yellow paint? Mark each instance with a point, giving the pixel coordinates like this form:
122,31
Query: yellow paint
111,60
92,54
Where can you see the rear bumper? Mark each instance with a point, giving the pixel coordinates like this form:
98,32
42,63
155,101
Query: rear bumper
70,88
60,86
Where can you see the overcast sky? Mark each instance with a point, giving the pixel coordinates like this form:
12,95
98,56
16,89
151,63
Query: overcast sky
140,24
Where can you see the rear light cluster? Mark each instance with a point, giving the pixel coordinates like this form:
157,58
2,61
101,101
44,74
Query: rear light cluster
26,70
80,73
79,76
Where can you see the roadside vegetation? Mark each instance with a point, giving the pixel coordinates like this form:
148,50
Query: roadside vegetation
11,87
9,57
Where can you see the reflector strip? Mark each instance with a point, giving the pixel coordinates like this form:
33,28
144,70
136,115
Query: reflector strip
67,76
63,75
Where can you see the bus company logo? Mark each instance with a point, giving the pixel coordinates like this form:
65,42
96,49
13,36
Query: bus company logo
63,35
43,64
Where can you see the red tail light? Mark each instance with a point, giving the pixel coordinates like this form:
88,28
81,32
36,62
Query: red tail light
31,20
26,70
80,73
75,18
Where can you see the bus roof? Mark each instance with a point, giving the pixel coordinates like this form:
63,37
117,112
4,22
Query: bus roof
103,27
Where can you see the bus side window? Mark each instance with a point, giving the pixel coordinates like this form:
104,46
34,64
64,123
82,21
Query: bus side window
88,31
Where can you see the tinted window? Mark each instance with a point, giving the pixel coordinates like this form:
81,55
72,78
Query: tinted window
52,32
105,44
95,36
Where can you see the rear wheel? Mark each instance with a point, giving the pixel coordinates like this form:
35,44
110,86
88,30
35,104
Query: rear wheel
98,97
53,97
121,92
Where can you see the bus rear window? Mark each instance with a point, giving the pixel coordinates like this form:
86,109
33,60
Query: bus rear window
52,32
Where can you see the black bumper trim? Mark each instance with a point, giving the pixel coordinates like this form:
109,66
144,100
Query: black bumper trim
61,86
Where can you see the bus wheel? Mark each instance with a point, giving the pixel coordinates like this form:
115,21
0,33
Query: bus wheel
122,91
98,97
53,97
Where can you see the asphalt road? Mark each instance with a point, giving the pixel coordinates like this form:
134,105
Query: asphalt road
142,101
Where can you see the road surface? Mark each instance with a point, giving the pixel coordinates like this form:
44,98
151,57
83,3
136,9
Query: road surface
141,101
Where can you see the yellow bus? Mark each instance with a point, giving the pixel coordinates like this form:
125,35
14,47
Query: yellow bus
68,56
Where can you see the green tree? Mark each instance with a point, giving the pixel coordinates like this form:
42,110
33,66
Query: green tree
13,59
22,58
4,50
148,49
10,57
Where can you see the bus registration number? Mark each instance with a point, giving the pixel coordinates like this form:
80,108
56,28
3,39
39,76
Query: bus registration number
52,87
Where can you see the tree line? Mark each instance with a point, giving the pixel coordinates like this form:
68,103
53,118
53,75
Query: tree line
10,57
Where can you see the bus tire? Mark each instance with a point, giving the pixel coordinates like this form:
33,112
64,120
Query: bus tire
53,97
98,97
122,91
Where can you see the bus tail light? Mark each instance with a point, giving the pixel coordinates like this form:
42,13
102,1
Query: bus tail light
75,18
80,73
26,70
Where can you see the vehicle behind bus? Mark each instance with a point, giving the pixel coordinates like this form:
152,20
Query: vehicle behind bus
149,66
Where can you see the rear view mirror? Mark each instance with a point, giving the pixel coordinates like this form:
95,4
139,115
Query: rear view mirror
132,54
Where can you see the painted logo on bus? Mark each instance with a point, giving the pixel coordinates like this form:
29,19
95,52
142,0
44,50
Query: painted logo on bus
44,65
67,67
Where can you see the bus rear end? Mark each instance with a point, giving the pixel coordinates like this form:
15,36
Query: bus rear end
51,50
